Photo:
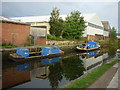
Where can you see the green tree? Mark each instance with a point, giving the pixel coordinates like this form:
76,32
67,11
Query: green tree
56,23
74,25
113,34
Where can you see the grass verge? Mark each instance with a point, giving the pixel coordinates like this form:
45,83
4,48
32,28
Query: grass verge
92,76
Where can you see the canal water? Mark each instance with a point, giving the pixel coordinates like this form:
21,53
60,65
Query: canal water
53,72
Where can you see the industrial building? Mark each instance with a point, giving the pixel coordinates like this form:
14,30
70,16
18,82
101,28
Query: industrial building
17,32
13,32
94,30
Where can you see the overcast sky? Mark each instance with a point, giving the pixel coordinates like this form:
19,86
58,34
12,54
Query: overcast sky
107,11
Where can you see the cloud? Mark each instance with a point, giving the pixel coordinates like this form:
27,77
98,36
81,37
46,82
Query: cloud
103,9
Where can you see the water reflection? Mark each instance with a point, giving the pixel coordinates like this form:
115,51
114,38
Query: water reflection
51,72
72,67
12,77
22,67
91,59
50,61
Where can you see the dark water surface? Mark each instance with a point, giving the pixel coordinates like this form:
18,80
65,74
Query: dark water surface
54,72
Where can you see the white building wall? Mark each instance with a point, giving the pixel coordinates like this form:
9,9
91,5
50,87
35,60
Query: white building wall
96,20
92,31
106,33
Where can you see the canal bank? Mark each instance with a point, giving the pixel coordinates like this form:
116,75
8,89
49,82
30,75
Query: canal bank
37,48
53,72
102,77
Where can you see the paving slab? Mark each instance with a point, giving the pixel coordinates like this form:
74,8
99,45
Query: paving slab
105,79
114,82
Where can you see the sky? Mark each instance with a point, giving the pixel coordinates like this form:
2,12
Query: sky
107,11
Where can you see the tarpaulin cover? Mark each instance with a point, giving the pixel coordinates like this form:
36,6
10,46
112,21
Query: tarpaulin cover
23,52
50,50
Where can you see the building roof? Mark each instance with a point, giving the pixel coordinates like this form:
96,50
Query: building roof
87,17
5,19
106,25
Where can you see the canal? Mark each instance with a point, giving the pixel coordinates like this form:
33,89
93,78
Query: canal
53,72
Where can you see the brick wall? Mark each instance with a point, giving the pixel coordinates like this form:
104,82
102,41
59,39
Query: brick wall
40,41
14,33
99,37
96,37
106,38
90,37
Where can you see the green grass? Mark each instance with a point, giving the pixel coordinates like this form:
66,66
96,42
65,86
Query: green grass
91,77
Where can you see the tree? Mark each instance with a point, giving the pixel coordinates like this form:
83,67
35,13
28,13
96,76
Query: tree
56,23
113,34
74,25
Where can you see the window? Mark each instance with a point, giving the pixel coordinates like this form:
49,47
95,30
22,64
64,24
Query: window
95,26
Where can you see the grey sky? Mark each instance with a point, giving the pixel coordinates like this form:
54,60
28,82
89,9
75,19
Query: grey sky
107,11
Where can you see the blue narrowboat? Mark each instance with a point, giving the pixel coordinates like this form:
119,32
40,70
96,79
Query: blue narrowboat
88,46
23,54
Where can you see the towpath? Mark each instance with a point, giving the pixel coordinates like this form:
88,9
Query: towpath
109,79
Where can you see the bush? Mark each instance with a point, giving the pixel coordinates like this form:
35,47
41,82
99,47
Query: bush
52,37
4,44
8,45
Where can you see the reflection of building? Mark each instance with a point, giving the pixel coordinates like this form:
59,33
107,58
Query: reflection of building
118,36
94,30
90,60
13,31
12,77
41,72
118,53
105,56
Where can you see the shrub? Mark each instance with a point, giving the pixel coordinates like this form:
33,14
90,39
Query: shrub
52,37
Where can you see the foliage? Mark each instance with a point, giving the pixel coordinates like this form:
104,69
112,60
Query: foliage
91,77
72,68
53,37
8,45
28,39
74,25
28,43
113,34
56,23
55,75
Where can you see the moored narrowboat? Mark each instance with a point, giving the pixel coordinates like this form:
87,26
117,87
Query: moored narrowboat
23,54
89,46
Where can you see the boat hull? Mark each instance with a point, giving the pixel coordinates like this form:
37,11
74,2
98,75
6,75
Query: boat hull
91,49
17,58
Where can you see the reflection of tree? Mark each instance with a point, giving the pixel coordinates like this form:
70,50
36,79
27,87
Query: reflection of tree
55,74
72,67
112,52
